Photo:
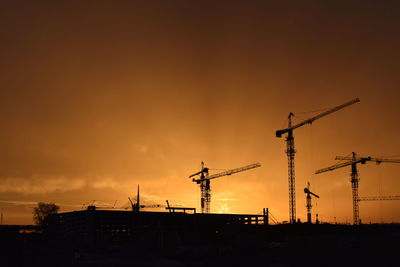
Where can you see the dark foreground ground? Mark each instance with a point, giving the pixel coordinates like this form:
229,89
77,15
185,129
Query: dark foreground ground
278,245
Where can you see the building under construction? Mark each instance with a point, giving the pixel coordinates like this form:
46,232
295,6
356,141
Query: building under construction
127,238
94,227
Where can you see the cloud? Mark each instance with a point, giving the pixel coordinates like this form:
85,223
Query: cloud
17,202
34,203
104,183
40,184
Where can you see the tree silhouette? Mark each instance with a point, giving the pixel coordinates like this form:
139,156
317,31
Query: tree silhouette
42,212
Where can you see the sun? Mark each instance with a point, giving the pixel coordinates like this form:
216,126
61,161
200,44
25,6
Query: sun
224,208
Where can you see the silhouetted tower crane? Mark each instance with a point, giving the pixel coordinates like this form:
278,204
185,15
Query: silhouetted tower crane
136,207
354,178
308,201
290,151
205,178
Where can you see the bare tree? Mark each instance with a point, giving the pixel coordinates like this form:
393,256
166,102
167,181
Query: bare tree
42,212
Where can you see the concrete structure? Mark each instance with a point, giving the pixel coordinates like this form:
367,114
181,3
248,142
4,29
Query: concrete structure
149,229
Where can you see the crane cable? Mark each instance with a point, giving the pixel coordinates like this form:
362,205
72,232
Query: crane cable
313,111
272,217
285,123
312,157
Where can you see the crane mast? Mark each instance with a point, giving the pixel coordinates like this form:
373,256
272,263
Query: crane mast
290,151
205,196
354,189
354,177
204,182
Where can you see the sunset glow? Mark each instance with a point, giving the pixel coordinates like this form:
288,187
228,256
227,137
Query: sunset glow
99,97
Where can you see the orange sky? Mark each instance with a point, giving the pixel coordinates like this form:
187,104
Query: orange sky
99,97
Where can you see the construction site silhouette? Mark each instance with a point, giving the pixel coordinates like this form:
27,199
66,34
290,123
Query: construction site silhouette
180,236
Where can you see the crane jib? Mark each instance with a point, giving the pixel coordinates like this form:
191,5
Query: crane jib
279,133
229,172
373,198
355,160
377,160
